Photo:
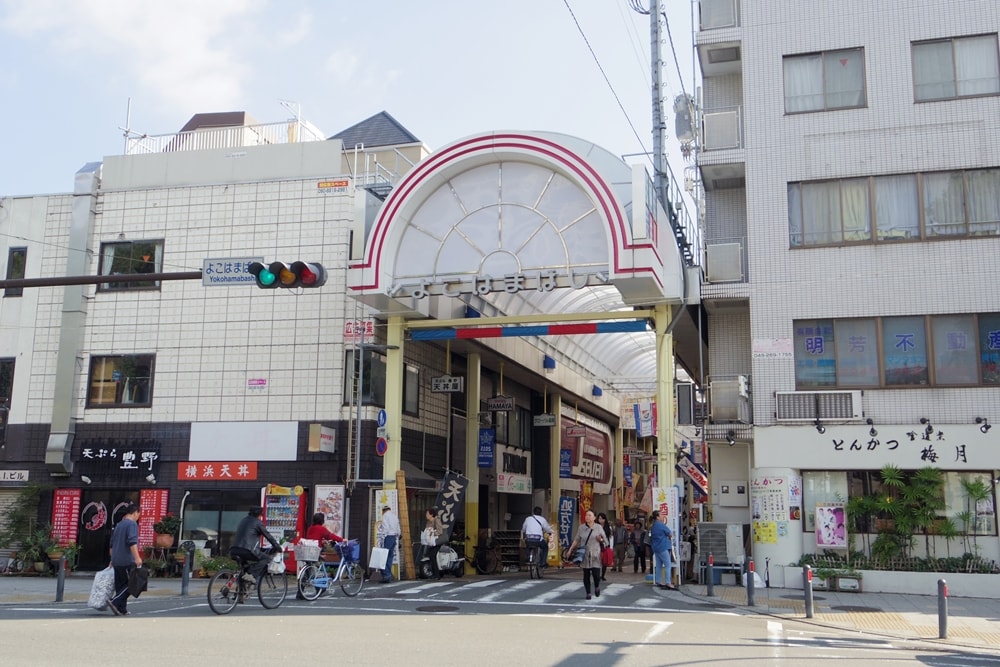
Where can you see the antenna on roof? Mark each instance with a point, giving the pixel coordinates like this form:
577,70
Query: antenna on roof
127,130
294,107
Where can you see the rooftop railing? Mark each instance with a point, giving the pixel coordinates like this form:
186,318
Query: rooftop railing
288,132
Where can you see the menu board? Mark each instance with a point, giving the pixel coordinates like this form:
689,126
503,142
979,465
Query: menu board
330,501
152,505
66,515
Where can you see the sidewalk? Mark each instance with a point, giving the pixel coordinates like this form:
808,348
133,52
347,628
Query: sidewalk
972,622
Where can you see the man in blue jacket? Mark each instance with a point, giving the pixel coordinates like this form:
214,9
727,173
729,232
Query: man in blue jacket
660,538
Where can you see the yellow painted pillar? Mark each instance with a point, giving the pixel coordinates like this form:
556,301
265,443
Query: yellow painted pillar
665,457
473,384
619,472
394,378
555,482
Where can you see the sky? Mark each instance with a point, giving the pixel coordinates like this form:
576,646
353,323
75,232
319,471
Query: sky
443,69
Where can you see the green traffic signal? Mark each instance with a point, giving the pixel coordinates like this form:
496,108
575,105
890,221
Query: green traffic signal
264,277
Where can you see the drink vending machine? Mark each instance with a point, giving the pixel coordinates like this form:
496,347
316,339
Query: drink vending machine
286,512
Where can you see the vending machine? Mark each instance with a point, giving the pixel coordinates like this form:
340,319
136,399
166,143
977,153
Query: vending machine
285,511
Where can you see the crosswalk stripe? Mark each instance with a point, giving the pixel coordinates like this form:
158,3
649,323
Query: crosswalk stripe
551,595
489,597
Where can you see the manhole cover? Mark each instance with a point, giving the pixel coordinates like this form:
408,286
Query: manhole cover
437,608
848,607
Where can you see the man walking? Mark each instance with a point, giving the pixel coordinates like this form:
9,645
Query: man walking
124,557
620,540
391,530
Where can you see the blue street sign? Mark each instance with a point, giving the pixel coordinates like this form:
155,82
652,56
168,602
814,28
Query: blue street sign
383,418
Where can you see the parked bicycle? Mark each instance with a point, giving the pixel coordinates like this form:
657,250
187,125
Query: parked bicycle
485,558
12,564
314,579
229,588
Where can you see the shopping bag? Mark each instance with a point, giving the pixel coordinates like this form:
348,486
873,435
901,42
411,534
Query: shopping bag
378,558
607,557
103,589
138,581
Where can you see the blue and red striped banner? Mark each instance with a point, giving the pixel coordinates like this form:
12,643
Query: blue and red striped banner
530,330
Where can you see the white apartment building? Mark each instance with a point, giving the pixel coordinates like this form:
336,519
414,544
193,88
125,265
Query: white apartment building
850,158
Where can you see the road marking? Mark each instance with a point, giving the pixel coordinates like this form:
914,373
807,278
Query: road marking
490,597
484,583
554,593
423,588
775,633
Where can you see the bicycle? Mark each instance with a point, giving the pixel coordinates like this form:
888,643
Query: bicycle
314,579
12,565
485,558
533,552
229,588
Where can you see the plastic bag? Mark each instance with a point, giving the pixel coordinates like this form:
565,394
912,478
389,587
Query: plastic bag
103,589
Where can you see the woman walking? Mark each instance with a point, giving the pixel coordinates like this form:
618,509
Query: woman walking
602,520
591,537
661,539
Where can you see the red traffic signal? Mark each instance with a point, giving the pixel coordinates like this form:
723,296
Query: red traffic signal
296,274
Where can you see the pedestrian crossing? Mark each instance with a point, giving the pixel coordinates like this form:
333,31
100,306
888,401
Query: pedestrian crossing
561,592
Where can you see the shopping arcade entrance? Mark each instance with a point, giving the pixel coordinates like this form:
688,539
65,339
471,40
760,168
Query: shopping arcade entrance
524,229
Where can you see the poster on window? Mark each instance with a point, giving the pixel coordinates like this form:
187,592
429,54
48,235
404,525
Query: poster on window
65,513
330,502
831,530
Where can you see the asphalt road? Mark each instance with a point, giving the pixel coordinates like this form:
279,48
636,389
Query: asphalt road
451,622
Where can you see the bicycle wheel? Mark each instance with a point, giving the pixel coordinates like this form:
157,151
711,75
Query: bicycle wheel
352,579
533,571
307,582
272,589
486,561
223,591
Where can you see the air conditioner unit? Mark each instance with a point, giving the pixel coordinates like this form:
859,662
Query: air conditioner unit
730,400
808,406
724,262
723,540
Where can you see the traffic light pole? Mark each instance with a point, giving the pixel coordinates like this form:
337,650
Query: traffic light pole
61,281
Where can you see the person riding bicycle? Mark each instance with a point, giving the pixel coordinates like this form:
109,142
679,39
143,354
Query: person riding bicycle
535,531
246,543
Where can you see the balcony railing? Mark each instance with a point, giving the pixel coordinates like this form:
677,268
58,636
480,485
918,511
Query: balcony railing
289,132
718,14
722,128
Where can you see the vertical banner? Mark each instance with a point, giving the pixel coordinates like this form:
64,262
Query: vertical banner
153,505
66,515
645,418
586,497
567,520
330,501
487,447
450,498
565,463
646,504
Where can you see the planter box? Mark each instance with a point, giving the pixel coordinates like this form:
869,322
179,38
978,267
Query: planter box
848,583
914,583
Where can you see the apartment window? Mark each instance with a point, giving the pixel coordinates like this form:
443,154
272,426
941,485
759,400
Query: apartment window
939,350
16,258
121,381
373,389
131,258
824,81
887,209
959,67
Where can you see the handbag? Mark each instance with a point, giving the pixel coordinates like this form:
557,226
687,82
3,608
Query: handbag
103,589
630,551
428,537
607,557
378,558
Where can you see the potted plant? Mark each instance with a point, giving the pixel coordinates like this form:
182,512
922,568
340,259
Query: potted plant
209,566
166,528
37,545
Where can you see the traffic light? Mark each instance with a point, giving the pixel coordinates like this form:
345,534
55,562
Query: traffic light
296,274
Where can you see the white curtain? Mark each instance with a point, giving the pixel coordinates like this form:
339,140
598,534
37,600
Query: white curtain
897,211
944,211
984,201
821,213
933,71
803,83
856,212
844,72
717,13
107,259
795,215
976,65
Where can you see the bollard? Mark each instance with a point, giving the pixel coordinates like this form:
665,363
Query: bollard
710,570
187,546
750,577
807,586
942,609
767,573
61,578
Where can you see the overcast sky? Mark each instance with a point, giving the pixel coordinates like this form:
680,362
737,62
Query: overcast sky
444,69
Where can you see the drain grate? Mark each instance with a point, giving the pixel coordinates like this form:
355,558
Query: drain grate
855,608
438,608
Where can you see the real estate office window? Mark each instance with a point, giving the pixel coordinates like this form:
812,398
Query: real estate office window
121,381
947,69
131,258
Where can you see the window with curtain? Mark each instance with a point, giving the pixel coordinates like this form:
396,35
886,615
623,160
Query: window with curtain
944,208
897,214
121,381
16,259
131,258
958,67
983,201
824,81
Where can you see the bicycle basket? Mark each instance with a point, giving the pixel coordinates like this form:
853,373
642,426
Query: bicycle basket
277,564
306,552
349,550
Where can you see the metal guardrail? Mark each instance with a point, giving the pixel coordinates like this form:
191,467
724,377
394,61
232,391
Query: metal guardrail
288,132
